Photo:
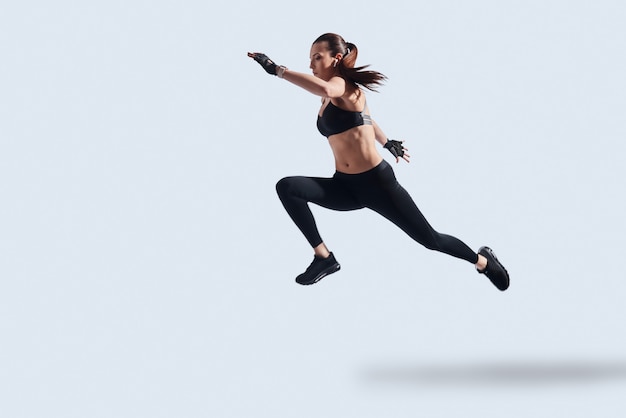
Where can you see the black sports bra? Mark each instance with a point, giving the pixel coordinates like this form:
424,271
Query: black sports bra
335,120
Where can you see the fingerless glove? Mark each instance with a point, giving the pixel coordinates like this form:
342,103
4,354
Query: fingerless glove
394,147
268,65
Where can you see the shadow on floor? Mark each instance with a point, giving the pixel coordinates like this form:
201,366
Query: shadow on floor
499,374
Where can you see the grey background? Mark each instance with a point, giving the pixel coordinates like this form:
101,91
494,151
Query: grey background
146,265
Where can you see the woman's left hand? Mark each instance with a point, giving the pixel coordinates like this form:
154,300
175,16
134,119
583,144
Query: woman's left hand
397,150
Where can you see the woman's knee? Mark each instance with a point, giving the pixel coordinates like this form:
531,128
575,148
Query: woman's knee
431,245
285,186
431,241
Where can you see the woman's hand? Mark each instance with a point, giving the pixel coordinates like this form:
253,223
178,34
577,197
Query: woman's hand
264,61
397,150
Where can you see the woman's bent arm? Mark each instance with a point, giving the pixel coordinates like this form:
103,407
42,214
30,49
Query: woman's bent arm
380,135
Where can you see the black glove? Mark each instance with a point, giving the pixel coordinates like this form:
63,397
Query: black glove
268,65
395,147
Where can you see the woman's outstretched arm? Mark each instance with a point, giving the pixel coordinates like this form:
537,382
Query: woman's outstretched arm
335,87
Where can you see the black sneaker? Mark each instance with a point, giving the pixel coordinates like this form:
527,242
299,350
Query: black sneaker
319,268
495,271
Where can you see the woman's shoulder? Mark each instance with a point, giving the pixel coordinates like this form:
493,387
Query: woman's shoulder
356,97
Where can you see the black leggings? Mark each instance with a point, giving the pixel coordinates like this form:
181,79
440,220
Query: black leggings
376,189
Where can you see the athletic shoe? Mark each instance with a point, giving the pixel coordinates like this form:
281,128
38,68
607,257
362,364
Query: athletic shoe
319,268
495,271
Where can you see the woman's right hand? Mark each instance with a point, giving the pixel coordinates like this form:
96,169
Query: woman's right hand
264,61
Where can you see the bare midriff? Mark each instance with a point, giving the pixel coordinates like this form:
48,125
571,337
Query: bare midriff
355,150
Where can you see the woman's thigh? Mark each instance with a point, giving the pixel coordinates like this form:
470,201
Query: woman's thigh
326,192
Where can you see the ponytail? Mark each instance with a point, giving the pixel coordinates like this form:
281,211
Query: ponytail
357,76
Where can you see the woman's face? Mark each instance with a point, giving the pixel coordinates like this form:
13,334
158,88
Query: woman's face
322,62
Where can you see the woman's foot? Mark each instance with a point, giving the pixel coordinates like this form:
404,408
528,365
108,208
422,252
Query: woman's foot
319,268
494,270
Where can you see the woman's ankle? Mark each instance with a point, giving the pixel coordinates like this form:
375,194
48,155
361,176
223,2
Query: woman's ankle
321,251
481,264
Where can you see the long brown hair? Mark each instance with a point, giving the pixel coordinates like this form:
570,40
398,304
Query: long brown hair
357,76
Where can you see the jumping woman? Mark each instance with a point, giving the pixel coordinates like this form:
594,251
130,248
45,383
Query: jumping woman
363,179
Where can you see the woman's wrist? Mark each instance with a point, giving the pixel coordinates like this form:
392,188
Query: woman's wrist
280,71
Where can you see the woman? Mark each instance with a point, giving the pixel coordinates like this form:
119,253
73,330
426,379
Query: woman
363,179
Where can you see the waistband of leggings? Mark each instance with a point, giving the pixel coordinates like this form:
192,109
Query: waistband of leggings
369,173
